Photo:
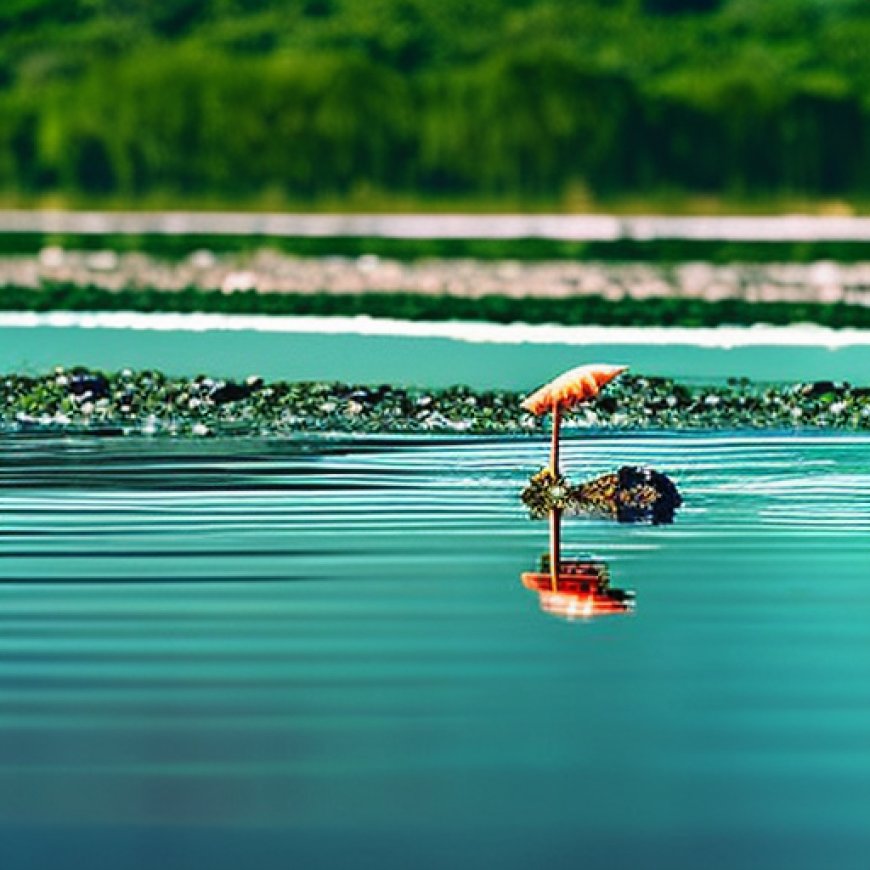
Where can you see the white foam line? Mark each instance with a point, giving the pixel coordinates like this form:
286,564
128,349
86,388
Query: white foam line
801,335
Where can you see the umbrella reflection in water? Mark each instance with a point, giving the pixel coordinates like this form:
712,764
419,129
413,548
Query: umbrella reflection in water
580,590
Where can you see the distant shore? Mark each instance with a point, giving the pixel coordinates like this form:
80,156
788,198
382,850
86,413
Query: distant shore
274,272
557,227
570,310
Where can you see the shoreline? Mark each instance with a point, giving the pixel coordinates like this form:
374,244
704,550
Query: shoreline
83,401
273,272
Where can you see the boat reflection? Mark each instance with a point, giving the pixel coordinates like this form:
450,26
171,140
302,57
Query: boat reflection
581,589
574,588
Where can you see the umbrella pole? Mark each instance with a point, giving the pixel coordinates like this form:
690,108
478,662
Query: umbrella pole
555,547
554,443
555,515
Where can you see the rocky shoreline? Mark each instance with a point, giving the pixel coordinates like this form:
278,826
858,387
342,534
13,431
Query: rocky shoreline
79,400
271,272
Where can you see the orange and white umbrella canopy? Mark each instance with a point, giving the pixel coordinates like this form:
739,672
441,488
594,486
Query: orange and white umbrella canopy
572,387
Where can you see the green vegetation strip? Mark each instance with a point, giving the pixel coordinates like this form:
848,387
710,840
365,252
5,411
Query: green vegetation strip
584,310
177,247
558,101
151,403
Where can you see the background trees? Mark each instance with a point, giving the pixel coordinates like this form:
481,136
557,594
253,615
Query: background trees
497,98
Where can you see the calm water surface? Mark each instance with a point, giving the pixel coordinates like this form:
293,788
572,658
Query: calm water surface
318,653
410,360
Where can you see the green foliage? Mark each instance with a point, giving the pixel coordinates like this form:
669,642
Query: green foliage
677,7
584,310
624,250
507,98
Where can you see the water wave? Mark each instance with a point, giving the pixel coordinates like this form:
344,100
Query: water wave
723,337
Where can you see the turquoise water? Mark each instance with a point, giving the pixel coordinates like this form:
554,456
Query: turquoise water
318,653
411,360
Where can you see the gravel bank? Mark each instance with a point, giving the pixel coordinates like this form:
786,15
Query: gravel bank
148,402
272,272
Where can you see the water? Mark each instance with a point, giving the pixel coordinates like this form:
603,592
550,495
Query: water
419,354
318,653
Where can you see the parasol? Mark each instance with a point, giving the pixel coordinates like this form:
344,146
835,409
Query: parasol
569,389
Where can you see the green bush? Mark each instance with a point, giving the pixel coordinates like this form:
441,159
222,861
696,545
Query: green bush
584,310
234,99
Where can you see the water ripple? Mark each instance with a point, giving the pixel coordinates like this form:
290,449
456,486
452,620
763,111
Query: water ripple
322,629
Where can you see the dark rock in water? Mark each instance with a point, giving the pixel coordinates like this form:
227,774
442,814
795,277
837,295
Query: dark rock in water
820,388
645,494
630,495
105,431
682,395
88,386
220,394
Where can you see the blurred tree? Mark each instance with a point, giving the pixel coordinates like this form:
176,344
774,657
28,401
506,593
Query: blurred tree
527,122
318,8
823,137
175,17
513,98
169,18
678,7
21,14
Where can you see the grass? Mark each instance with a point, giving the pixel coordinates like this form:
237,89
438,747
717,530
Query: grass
368,200
175,247
586,310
